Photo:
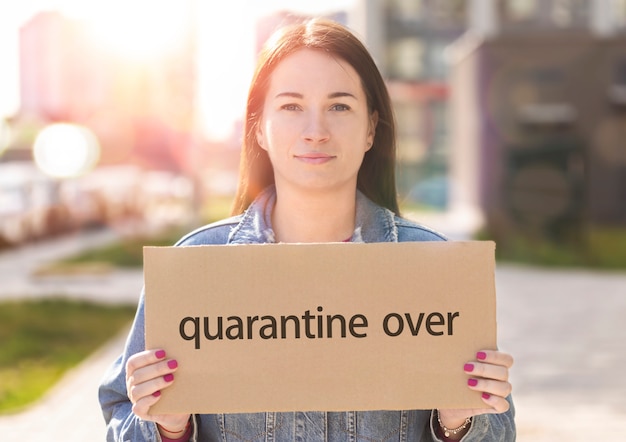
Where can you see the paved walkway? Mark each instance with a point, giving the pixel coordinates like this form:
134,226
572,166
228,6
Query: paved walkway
566,330
20,272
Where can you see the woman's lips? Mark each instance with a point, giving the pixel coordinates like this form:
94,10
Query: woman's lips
315,158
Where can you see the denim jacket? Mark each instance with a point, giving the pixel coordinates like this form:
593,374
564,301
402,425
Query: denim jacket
373,224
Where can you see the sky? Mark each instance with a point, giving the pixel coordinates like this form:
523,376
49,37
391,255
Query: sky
225,46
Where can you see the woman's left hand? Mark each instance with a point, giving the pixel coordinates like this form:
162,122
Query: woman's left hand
489,374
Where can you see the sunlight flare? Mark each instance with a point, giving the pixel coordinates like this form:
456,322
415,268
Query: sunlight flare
65,150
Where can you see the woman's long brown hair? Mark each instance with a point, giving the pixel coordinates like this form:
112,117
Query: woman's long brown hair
376,178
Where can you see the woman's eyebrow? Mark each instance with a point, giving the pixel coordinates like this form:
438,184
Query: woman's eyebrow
289,94
331,95
341,94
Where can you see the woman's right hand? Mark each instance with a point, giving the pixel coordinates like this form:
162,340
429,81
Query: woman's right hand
147,373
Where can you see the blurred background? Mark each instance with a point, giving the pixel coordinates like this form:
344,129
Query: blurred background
511,113
120,126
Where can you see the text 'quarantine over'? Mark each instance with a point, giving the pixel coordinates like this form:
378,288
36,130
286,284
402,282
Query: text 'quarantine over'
312,326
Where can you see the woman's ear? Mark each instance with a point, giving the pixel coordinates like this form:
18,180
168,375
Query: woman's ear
260,139
372,129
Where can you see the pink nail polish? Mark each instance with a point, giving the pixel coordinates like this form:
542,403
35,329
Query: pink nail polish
472,382
156,394
168,377
172,364
486,395
160,354
481,355
468,367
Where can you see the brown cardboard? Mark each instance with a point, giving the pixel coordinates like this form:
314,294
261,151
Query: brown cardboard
316,372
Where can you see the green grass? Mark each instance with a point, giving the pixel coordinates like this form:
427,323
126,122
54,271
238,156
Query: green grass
129,252
599,248
41,339
126,253
607,248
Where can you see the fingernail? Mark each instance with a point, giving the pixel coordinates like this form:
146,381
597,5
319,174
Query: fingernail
168,377
468,367
172,364
486,395
160,354
481,355
472,382
156,394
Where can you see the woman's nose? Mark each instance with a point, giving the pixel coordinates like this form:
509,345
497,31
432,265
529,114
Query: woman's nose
316,130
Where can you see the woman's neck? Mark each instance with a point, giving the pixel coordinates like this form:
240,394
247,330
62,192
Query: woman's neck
321,217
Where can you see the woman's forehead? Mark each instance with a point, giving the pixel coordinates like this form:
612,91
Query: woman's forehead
314,69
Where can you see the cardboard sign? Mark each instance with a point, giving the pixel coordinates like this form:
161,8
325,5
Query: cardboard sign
325,327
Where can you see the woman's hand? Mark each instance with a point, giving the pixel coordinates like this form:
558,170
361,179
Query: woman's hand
489,374
147,373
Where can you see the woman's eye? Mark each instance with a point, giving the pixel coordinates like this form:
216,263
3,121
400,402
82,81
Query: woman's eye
290,107
340,107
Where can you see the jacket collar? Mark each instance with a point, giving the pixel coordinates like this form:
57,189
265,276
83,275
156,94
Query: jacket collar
373,222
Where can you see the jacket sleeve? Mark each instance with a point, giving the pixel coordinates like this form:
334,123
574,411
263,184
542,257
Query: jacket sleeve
488,427
121,422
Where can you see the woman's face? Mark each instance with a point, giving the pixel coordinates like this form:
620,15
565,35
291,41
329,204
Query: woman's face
315,123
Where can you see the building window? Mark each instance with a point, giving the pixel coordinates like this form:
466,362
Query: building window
407,10
520,15
407,58
438,65
432,12
412,141
449,12
518,11
570,13
619,12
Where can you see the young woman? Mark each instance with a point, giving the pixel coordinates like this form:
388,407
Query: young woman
317,166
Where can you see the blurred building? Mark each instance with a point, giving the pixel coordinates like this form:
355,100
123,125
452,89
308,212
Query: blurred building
413,36
538,118
511,111
55,63
142,110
